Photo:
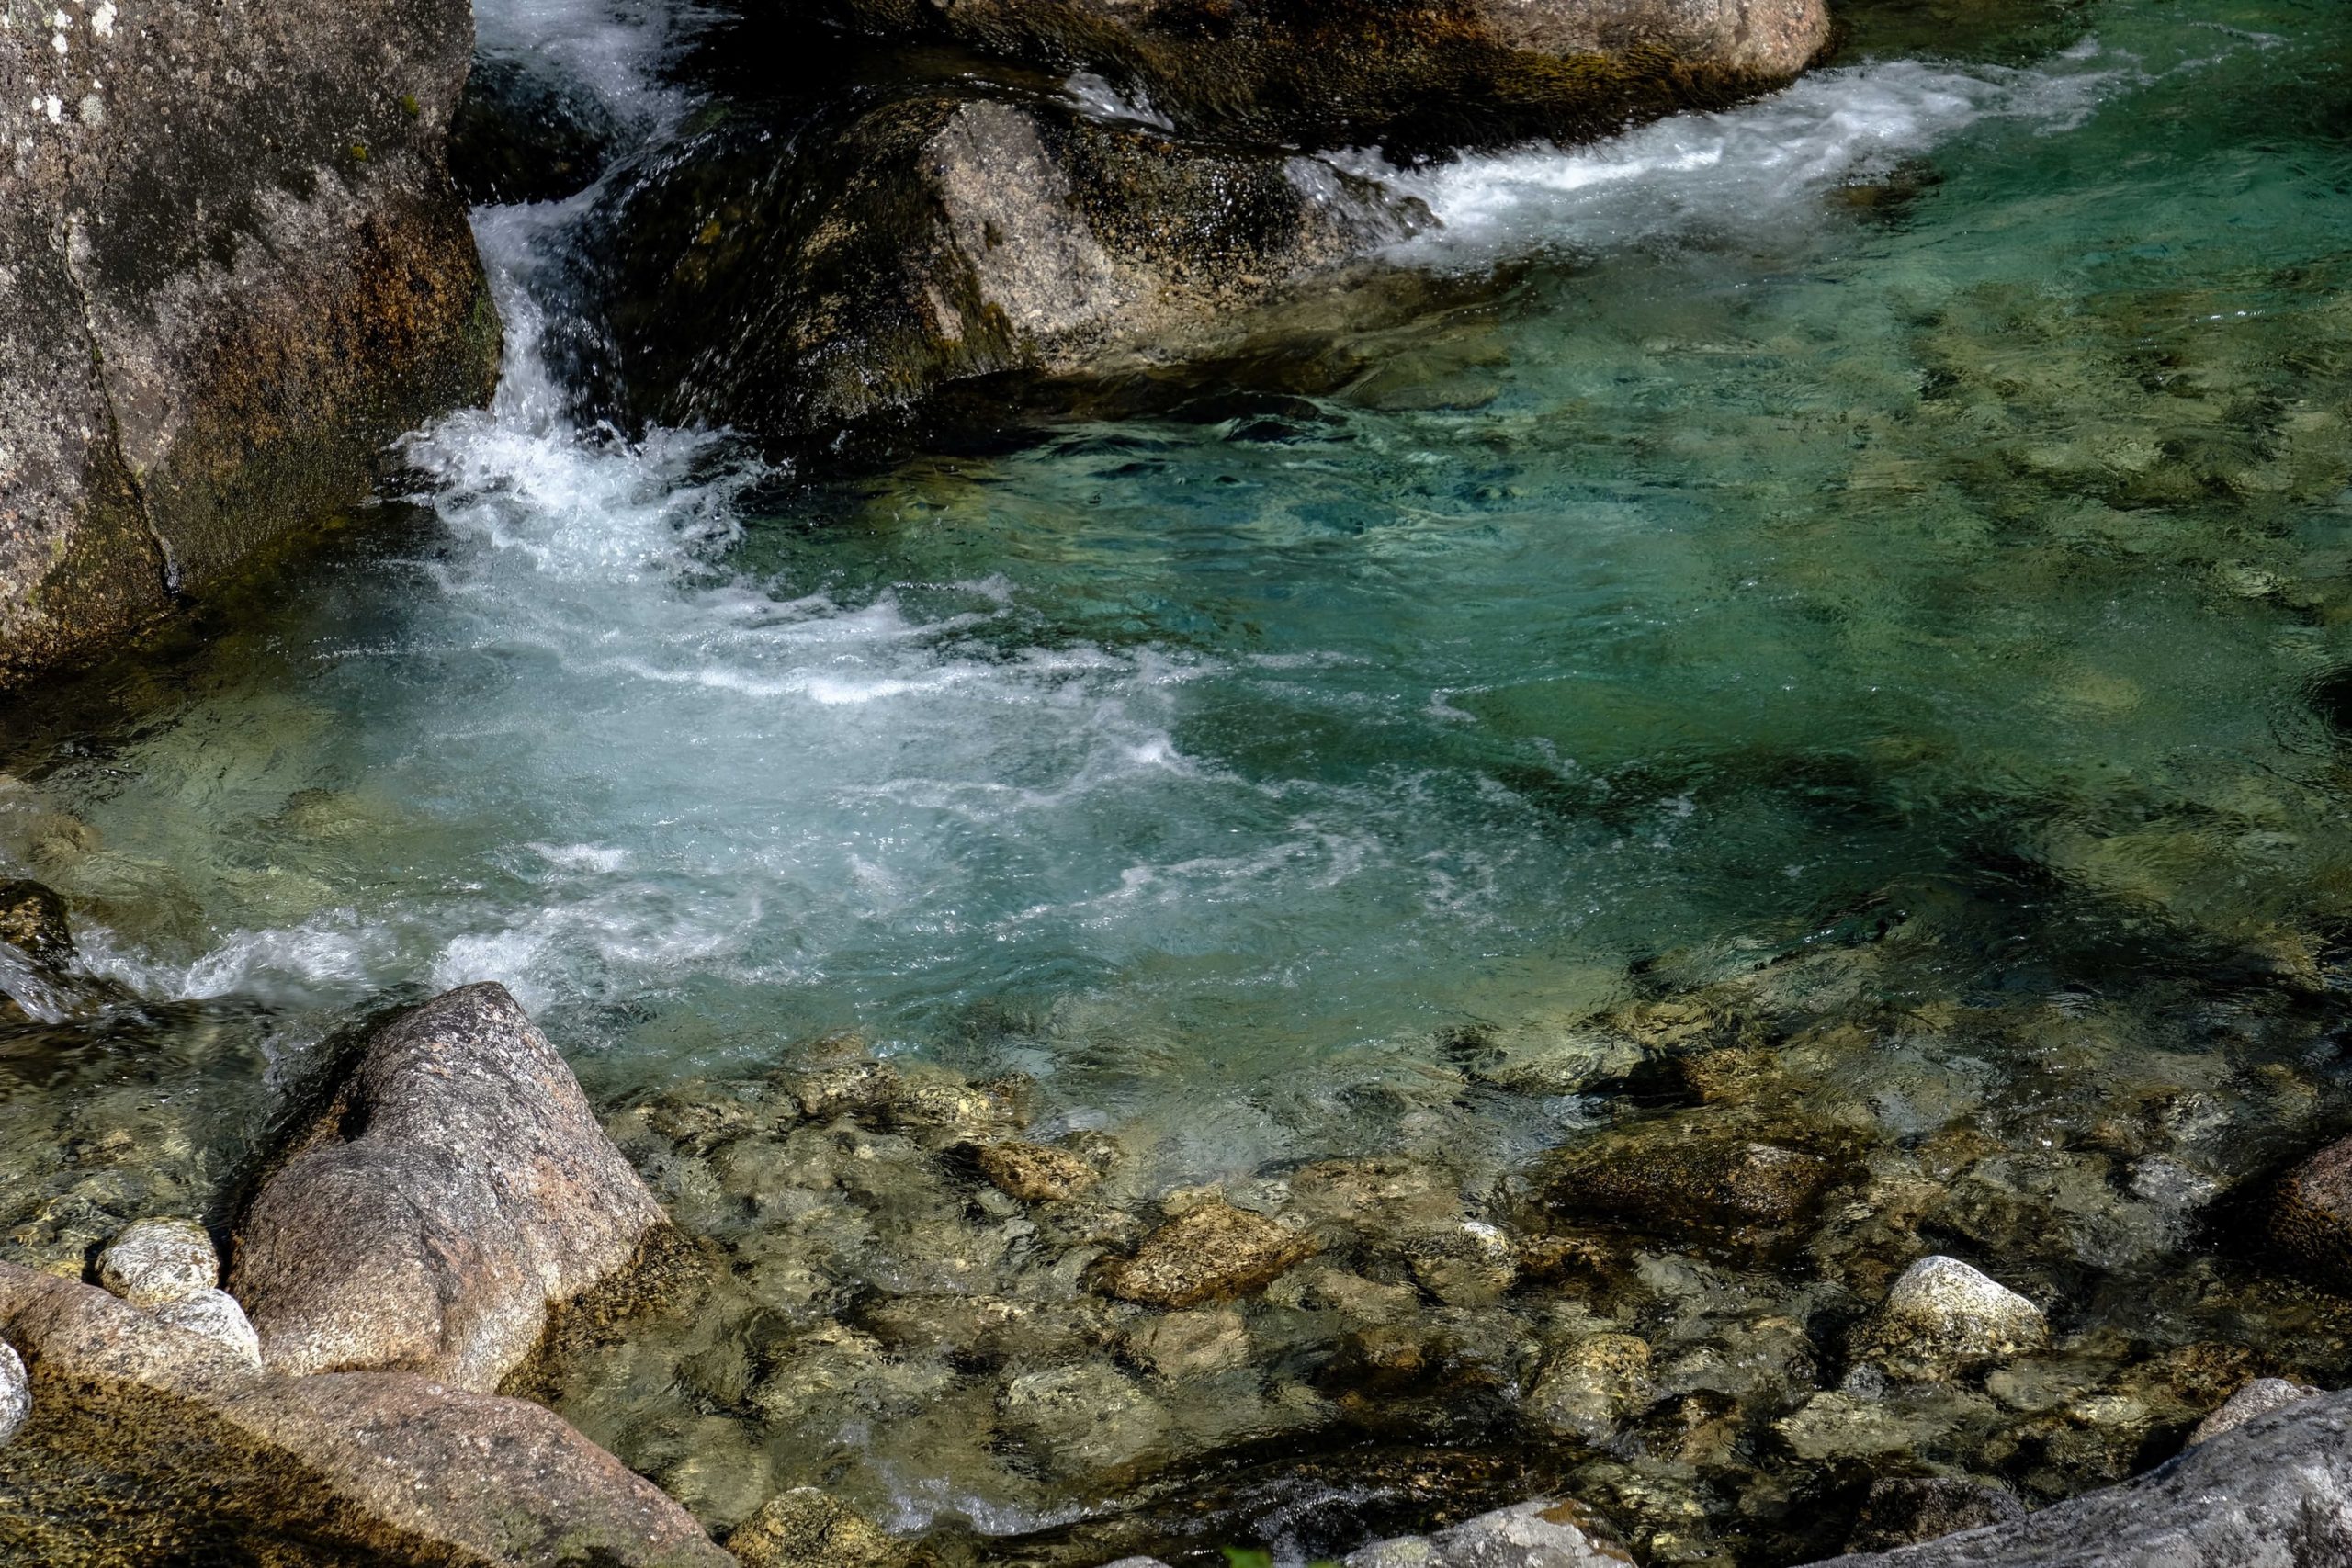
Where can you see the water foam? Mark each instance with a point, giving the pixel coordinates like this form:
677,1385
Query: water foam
1764,163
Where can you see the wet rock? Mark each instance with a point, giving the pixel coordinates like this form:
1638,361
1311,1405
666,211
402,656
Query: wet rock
1590,1388
153,1261
1034,1173
1941,1317
1902,1510
456,1191
187,1454
1838,1426
938,238
2260,1397
1190,1344
237,271
1084,1419
2310,1219
215,1315
804,1527
2273,1491
15,1393
32,921
1417,75
845,1088
1540,1534
1321,1289
1209,1252
1379,1198
523,134
1664,1181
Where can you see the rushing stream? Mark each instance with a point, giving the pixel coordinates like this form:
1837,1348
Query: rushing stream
1915,505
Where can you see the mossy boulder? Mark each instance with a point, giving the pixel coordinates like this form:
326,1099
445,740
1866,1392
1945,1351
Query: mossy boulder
236,269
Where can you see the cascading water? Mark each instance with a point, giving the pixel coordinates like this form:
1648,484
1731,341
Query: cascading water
1915,497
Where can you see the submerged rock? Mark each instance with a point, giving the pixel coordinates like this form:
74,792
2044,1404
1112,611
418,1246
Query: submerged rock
456,1191
1034,1173
237,269
1592,1386
1212,1252
2260,1397
155,1261
804,1527
32,921
787,283
1902,1510
1941,1315
1662,1180
181,1451
1417,75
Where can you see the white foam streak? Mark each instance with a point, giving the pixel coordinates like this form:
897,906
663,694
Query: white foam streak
1761,164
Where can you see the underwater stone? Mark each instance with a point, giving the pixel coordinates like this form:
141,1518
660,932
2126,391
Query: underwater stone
32,921
1903,1510
1941,1315
479,1192
1034,1173
1662,1180
1470,1264
1190,1344
2260,1397
216,1315
1592,1386
806,1529
1084,1419
1208,1252
153,1261
15,1393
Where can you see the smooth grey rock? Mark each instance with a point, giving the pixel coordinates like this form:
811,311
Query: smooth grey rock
1941,1315
216,1315
188,1455
2260,1397
235,268
1539,1534
155,1261
2275,1493
15,1393
456,1189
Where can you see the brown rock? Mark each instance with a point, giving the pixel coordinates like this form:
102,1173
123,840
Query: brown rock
457,1187
32,921
806,1528
1902,1511
1210,1253
2310,1215
1665,1181
1034,1173
150,1445
237,268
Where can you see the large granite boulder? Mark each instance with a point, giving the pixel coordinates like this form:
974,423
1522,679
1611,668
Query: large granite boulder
2272,1493
790,280
147,1443
456,1189
1414,75
234,267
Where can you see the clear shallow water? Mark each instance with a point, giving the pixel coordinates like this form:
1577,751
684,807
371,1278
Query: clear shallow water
1910,467
1922,491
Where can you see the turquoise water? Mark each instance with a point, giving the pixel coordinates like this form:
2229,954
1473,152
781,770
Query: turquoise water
1922,494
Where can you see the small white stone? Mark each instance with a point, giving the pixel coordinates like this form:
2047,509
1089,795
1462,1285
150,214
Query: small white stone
102,19
153,1261
1941,1314
15,1391
217,1316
